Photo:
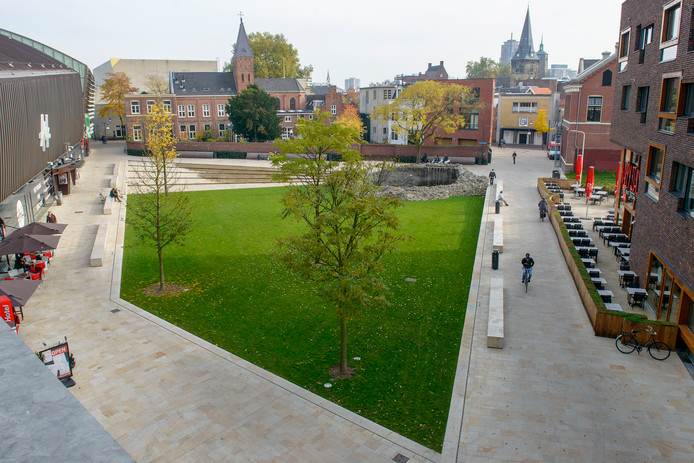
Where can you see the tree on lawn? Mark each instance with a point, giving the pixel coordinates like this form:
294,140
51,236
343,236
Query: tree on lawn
486,68
425,108
159,218
253,114
348,227
113,92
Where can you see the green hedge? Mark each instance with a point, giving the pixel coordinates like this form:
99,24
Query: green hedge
407,159
230,155
136,152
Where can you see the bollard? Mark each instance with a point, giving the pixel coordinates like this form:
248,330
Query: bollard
495,260
497,207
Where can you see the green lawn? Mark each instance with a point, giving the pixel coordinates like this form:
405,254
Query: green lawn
244,301
602,178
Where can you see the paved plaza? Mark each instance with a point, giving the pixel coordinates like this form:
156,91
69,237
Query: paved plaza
554,393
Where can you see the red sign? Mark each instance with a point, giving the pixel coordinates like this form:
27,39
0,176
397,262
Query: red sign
7,312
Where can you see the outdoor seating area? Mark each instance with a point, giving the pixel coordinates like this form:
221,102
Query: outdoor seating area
25,257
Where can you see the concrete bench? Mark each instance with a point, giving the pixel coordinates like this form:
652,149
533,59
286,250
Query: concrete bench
116,176
498,236
495,322
96,258
499,186
108,202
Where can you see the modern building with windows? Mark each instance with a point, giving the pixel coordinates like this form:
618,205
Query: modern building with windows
46,98
654,125
517,114
371,97
587,116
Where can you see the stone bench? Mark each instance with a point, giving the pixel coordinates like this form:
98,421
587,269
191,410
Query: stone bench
96,258
498,236
108,202
495,322
499,186
116,175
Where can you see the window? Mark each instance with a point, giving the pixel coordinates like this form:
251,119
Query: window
134,107
191,110
475,94
626,96
167,106
287,118
137,133
333,110
642,102
207,128
594,112
222,130
471,121
682,187
292,103
623,50
150,103
690,47
525,107
607,78
182,111
191,131
310,117
670,32
182,131
394,135
668,105
645,37
385,130
221,110
688,103
206,110
287,133
388,94
664,299
654,171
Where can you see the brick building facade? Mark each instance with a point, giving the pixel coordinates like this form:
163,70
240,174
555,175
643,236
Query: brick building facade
198,100
588,102
656,199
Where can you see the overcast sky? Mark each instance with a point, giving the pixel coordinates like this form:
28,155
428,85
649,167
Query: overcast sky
370,40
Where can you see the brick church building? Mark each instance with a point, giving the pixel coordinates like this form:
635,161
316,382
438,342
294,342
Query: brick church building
198,99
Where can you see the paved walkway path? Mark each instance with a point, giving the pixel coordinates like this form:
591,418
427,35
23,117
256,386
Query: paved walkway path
165,395
556,392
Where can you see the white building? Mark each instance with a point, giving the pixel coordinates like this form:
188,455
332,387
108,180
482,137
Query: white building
352,84
369,99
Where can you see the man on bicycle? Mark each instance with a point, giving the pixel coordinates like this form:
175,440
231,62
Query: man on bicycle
528,263
542,205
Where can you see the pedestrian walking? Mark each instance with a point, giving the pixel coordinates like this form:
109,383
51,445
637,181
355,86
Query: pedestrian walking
514,157
492,176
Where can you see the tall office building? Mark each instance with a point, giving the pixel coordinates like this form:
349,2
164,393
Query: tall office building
508,49
352,83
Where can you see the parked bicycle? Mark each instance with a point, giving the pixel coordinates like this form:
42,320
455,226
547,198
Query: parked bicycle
628,343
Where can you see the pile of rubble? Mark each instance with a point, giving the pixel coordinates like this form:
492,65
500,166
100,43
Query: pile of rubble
466,184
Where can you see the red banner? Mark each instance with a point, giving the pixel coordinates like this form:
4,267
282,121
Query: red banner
590,181
579,168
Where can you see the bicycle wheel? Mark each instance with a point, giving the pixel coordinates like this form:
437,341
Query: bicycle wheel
659,350
626,343
526,285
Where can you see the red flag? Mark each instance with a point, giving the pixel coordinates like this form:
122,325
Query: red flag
590,181
579,168
618,182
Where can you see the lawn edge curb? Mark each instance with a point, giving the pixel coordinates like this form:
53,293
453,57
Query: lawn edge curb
407,445
454,425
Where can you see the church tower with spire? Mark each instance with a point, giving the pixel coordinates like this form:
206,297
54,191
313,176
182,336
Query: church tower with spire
543,56
242,61
525,64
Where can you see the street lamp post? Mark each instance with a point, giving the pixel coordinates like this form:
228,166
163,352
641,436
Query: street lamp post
583,144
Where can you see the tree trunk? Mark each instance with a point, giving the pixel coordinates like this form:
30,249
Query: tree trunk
166,179
343,345
160,253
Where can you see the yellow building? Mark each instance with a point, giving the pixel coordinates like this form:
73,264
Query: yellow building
516,115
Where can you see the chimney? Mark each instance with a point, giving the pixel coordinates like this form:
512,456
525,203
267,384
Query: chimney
606,54
441,63
429,66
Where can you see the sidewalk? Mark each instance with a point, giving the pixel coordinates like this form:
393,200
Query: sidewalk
163,394
556,392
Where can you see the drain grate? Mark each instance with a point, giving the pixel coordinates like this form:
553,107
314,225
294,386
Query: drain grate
400,458
115,310
79,212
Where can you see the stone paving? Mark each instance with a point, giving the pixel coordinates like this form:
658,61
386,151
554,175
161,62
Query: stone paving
556,392
163,394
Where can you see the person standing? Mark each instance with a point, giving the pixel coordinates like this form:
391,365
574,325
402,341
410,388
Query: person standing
492,176
51,218
514,157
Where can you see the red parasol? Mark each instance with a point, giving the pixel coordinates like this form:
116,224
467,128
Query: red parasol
579,168
589,182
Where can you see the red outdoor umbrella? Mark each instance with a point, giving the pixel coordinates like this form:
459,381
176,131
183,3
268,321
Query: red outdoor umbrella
28,243
589,182
579,168
38,228
18,290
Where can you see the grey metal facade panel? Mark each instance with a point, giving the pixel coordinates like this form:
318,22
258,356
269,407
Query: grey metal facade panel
22,102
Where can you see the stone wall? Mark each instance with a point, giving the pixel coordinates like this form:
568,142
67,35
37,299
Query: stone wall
454,181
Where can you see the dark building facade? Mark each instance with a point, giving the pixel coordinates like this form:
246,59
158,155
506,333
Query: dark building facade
653,121
526,63
42,128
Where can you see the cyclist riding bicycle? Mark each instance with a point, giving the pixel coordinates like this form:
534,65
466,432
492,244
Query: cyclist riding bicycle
542,206
528,263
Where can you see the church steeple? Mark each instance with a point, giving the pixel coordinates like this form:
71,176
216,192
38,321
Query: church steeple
328,77
242,61
526,50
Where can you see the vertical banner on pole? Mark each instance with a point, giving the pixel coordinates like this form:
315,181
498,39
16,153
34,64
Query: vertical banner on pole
590,181
579,168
